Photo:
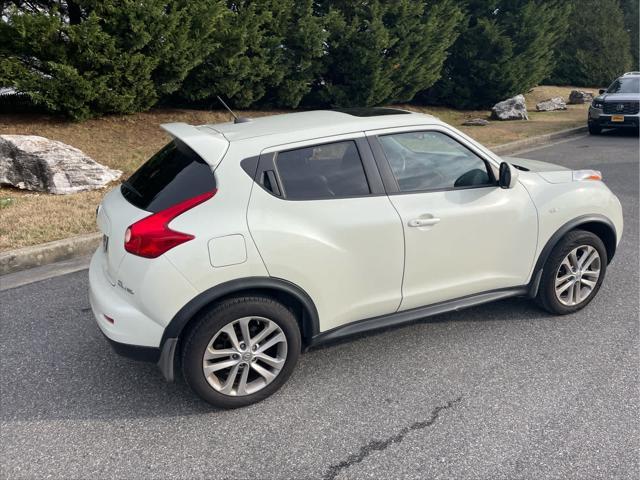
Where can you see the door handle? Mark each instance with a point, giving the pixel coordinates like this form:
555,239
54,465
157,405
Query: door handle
423,222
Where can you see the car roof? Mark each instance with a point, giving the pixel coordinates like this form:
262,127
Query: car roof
319,123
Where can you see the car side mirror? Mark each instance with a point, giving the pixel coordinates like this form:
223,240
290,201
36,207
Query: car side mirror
602,90
508,175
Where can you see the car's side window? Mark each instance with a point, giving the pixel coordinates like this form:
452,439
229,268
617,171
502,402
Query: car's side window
431,160
331,170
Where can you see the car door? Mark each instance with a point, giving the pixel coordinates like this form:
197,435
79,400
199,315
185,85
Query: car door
463,233
320,218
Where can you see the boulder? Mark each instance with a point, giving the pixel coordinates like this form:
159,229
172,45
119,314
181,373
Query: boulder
36,163
577,97
475,122
555,103
510,109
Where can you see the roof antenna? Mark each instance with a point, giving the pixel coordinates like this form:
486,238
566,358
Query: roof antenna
236,119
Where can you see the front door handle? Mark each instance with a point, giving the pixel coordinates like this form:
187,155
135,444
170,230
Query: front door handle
423,222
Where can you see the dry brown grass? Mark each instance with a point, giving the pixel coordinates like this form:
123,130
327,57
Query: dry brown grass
124,142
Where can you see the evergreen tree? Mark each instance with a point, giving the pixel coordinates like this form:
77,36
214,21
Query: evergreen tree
593,52
383,51
86,57
303,49
248,54
506,48
269,54
631,12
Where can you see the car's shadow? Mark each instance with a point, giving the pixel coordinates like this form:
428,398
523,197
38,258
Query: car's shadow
621,132
86,380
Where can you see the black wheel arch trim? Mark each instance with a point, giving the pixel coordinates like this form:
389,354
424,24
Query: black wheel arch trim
310,322
557,236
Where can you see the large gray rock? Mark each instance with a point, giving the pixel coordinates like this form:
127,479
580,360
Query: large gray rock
513,108
555,103
577,97
36,163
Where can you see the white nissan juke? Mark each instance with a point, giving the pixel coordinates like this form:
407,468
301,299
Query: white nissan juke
239,245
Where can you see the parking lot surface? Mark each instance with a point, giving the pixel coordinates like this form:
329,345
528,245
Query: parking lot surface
500,391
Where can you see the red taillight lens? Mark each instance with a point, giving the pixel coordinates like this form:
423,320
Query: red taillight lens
151,236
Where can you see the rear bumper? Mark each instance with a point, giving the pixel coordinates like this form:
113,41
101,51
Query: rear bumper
135,352
132,334
130,327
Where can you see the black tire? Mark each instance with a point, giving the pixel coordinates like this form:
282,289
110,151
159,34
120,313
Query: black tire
197,340
594,129
547,297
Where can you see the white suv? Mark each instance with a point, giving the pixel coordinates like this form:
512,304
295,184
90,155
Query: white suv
238,245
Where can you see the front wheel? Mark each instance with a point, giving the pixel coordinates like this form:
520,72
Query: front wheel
241,352
594,129
573,273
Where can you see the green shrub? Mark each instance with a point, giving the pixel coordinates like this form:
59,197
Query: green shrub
268,56
630,10
506,48
89,57
383,51
596,48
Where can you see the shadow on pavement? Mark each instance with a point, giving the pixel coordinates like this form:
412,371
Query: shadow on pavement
78,376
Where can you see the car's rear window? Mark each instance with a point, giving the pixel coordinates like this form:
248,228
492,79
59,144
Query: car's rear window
174,174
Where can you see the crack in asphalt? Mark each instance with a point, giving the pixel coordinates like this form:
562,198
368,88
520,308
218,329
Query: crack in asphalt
379,445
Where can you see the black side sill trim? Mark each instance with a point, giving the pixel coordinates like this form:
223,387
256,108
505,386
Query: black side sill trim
408,316
135,352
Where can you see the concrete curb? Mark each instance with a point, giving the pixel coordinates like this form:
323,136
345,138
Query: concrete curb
46,253
65,249
540,140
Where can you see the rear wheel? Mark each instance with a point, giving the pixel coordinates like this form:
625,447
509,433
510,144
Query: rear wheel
594,129
241,351
573,273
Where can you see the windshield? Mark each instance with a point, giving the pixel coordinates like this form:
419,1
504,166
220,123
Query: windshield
625,85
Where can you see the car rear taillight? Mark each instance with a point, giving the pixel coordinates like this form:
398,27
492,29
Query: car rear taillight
151,236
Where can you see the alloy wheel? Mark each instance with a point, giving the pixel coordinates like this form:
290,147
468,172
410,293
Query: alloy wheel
577,275
245,356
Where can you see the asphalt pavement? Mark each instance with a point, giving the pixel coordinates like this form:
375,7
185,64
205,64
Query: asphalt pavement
500,391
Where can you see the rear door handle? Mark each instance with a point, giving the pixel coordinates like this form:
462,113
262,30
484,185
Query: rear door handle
423,222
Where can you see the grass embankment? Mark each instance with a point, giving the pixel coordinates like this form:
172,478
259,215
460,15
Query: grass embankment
124,142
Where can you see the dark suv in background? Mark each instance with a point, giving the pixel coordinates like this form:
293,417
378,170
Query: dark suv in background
618,106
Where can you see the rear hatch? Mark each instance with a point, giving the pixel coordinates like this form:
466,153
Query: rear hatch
115,215
174,174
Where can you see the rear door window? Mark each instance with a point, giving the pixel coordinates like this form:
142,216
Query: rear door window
174,174
332,170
